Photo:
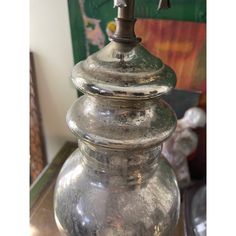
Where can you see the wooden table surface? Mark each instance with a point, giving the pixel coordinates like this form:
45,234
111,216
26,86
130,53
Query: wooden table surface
42,221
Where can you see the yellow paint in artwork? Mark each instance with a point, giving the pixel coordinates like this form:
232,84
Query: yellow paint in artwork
111,26
183,47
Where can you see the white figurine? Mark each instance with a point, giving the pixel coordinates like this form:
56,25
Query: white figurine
183,142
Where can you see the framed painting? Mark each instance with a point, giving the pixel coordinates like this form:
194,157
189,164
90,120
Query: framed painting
37,147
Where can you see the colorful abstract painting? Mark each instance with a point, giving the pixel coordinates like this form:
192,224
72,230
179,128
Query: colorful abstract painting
181,45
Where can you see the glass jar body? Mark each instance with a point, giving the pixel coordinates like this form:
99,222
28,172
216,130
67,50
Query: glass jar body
105,192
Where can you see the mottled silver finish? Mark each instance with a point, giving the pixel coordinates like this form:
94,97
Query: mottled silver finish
117,183
116,193
121,124
124,72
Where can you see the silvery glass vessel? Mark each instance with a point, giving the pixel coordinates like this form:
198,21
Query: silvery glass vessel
117,183
198,212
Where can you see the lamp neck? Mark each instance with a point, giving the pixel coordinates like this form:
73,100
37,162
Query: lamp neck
132,167
125,23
